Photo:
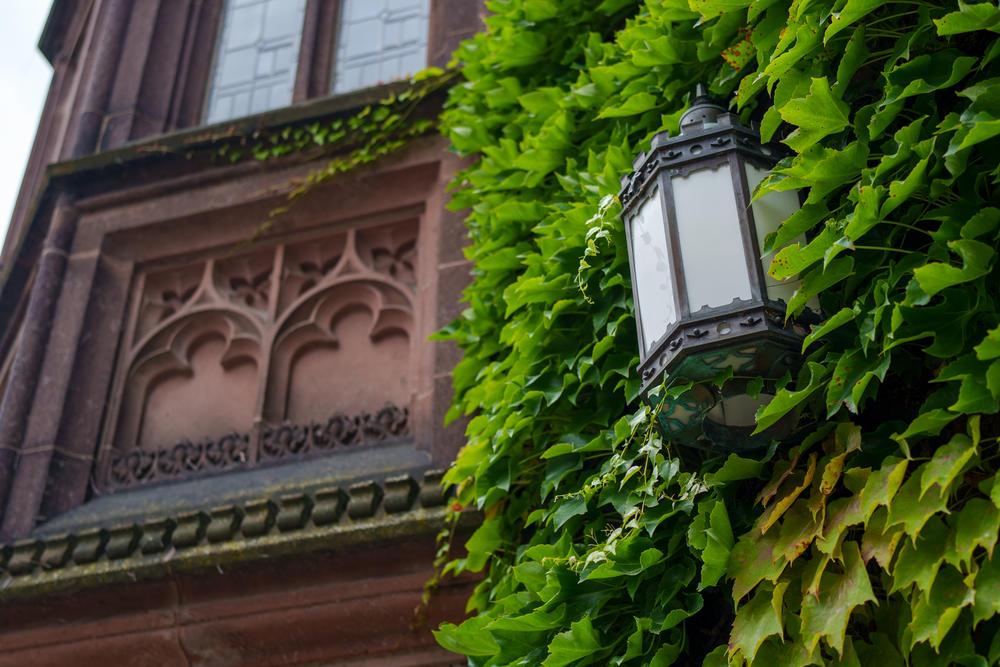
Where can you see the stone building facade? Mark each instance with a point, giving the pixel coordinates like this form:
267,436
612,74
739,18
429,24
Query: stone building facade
221,433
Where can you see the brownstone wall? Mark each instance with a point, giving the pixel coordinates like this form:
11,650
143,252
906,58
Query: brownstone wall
143,300
355,608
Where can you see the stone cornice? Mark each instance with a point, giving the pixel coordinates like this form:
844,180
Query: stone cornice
328,519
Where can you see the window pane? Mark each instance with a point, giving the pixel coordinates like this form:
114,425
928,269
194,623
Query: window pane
380,41
715,266
255,58
653,285
768,213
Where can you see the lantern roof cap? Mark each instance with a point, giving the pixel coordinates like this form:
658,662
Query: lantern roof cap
704,109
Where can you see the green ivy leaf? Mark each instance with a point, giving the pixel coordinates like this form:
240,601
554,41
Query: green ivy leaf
850,13
832,323
947,463
977,258
987,590
978,525
482,543
632,106
920,559
969,17
911,509
989,348
469,638
579,642
719,543
880,542
785,401
817,115
711,8
756,621
926,74
935,613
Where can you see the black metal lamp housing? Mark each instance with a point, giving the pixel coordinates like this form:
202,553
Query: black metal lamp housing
703,298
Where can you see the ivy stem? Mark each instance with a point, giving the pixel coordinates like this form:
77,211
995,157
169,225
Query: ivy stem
883,249
906,226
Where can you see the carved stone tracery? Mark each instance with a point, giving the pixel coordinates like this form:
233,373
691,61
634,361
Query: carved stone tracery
241,359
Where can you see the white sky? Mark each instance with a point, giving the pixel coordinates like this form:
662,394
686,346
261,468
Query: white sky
24,80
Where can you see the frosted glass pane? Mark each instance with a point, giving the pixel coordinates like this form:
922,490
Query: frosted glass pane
769,212
380,41
653,277
708,227
255,57
739,410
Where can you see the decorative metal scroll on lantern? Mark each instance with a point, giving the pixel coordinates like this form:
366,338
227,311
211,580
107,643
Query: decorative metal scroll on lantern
703,298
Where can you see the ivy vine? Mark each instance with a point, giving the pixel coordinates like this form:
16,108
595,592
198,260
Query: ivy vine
868,536
352,140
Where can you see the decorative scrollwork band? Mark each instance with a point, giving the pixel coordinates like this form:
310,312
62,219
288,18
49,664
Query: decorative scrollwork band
277,442
288,439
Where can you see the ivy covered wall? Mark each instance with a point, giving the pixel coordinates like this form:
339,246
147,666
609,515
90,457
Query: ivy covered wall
867,537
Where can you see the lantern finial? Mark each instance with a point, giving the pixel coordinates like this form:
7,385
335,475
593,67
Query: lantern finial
704,109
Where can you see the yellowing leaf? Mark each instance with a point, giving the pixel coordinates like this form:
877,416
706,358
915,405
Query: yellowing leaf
753,560
826,617
880,542
798,529
784,502
879,489
947,463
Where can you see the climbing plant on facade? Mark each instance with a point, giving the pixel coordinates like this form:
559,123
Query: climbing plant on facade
865,537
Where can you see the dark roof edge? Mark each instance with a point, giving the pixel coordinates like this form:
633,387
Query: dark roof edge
328,519
54,30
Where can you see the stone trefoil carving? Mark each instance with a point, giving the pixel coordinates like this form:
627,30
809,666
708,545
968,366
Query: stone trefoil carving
240,359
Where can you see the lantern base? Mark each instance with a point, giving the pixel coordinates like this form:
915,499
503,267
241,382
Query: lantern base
724,419
691,349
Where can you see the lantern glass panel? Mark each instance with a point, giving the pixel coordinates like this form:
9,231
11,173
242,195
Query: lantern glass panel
768,213
739,410
653,277
711,242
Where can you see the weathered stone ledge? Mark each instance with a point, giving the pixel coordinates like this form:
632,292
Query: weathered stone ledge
329,519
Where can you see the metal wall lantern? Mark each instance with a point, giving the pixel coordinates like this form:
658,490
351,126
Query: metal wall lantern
704,300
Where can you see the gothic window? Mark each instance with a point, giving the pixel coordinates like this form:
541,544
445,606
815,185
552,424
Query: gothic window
300,349
256,57
257,53
379,41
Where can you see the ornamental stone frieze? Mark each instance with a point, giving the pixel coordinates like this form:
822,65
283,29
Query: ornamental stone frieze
255,357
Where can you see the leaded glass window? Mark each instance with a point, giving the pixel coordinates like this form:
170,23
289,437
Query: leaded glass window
380,41
256,57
